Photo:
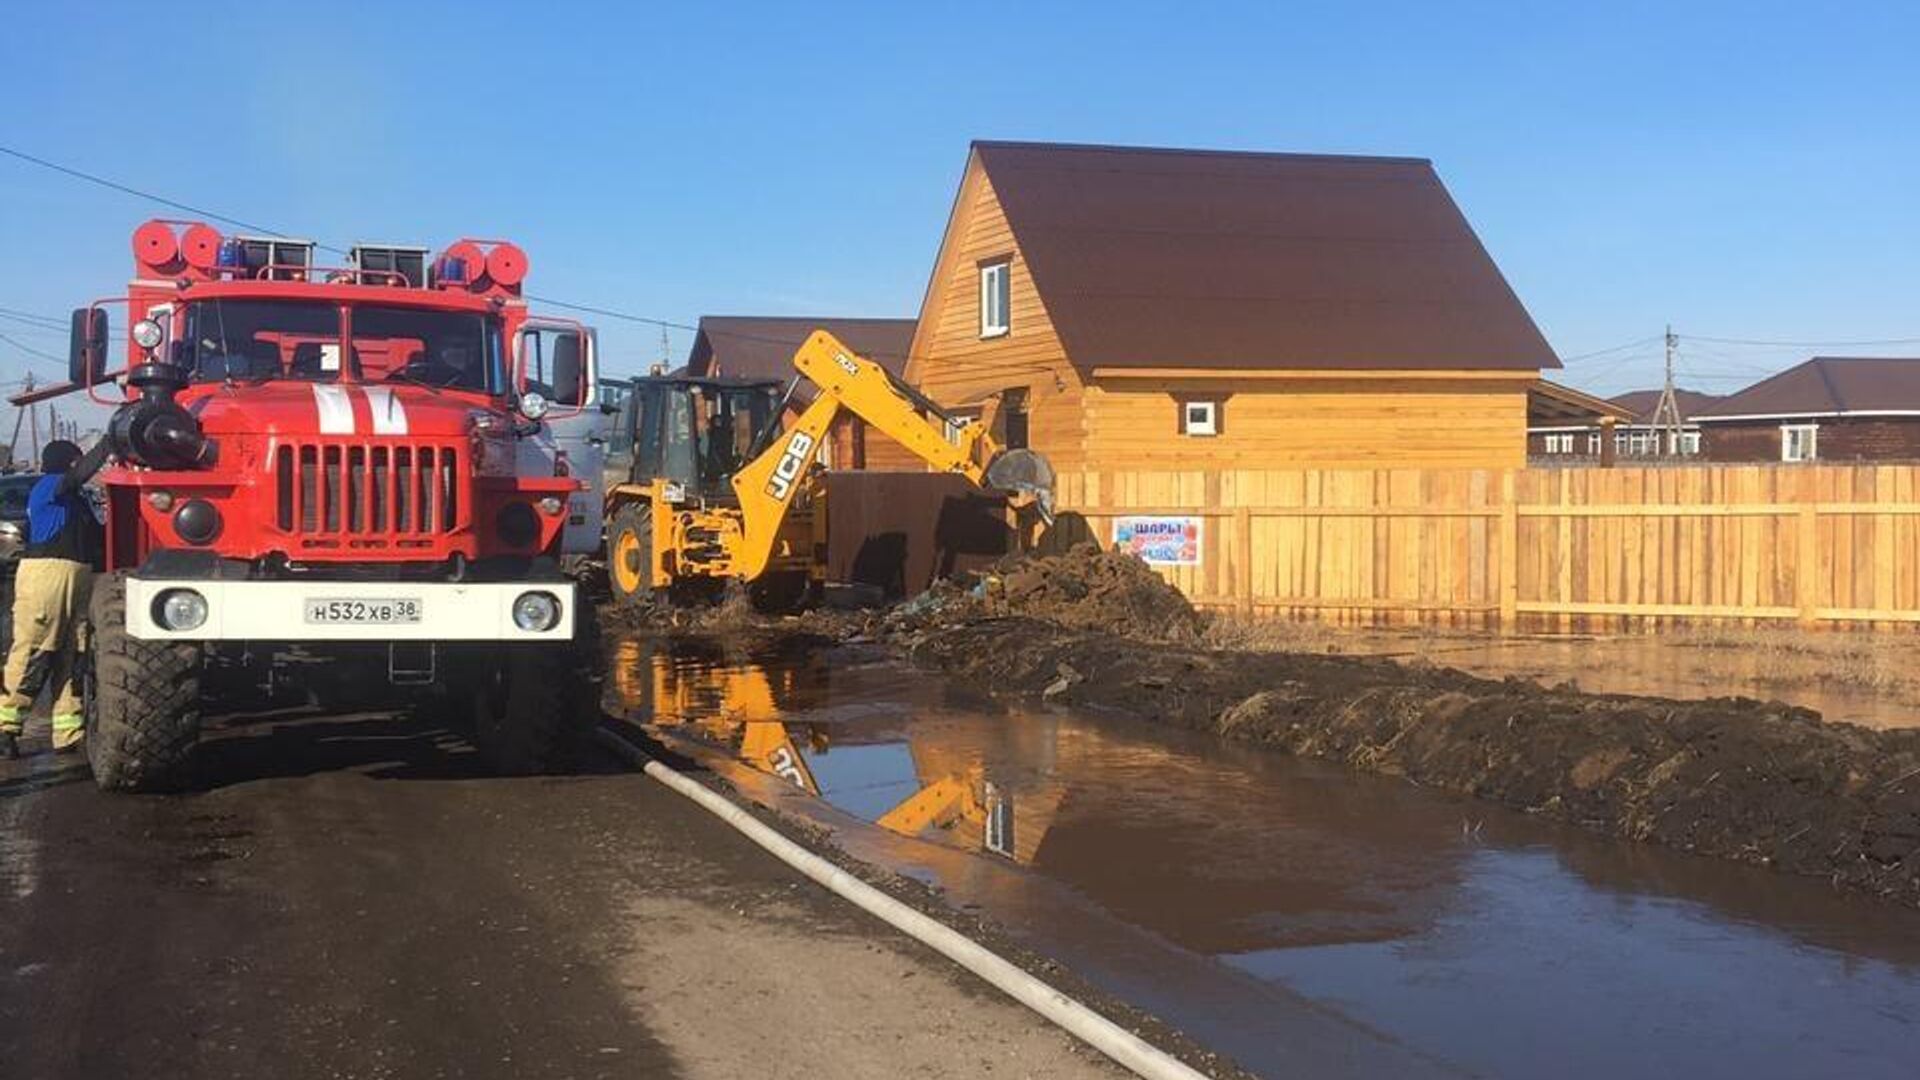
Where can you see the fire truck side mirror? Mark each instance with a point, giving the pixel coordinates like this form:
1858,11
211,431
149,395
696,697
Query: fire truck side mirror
87,347
569,367
555,358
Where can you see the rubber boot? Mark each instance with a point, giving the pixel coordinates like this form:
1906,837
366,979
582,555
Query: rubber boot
67,734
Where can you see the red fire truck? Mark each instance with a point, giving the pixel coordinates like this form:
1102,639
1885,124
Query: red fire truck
343,476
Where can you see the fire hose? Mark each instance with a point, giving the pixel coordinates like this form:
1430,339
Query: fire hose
1124,1047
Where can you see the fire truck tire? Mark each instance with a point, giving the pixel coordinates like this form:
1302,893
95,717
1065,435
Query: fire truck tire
142,700
535,711
630,555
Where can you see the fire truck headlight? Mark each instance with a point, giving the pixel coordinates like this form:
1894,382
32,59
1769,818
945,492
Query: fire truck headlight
180,610
147,334
533,405
551,505
197,521
536,611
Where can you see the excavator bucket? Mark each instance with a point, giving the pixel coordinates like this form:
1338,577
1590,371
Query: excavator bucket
1027,475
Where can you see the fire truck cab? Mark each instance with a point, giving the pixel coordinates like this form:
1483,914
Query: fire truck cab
344,473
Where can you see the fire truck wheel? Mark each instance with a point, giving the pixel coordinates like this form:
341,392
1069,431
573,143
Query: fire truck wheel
630,555
533,713
143,700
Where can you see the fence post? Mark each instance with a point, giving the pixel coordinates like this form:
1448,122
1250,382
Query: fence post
1243,567
1806,591
1509,554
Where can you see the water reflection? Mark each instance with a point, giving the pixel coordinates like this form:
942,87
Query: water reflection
1288,912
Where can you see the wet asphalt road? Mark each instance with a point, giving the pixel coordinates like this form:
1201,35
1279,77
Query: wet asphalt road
351,897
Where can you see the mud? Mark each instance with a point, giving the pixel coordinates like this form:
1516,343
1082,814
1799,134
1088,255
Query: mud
1085,589
1759,782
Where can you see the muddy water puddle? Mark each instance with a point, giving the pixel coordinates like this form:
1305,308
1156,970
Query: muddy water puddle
1300,918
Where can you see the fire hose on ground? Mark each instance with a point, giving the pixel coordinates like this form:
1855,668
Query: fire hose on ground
1124,1047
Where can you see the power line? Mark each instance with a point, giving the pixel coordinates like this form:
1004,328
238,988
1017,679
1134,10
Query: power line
1800,344
1617,348
48,321
136,192
31,351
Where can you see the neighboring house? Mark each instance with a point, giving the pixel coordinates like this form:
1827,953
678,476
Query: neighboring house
752,347
1830,408
1568,427
1627,435
1143,309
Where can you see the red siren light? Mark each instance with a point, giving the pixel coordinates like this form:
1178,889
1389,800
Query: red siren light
201,247
154,245
507,264
472,263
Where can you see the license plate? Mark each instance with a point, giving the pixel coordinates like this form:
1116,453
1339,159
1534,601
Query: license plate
370,612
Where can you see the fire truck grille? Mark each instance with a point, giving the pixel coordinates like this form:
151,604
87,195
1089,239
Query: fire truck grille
373,492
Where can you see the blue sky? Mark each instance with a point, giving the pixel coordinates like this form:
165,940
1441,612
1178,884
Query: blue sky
1742,170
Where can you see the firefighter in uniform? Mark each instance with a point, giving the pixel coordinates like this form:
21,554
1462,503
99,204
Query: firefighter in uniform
50,592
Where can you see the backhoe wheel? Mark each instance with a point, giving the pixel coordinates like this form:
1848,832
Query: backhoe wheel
630,555
534,705
142,699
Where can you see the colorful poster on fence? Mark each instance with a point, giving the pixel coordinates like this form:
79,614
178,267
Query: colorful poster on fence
1160,541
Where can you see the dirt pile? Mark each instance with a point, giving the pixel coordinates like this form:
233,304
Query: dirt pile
1758,782
1086,588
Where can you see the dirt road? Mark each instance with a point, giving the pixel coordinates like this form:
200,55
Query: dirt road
352,898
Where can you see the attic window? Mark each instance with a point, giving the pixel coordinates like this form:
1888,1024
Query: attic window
1200,418
994,294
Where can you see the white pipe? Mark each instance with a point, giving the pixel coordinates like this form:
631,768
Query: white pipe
1095,1030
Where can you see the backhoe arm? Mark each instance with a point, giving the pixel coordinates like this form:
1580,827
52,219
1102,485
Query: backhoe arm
767,485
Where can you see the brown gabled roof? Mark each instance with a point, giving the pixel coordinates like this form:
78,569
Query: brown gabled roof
762,347
1212,259
1640,404
1826,386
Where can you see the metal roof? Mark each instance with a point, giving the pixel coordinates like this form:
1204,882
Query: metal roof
1640,404
1826,386
763,346
1218,259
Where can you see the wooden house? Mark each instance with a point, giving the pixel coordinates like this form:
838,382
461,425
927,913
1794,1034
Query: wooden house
762,347
1830,408
1125,309
1622,431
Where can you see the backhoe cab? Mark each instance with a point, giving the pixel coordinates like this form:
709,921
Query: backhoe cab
717,488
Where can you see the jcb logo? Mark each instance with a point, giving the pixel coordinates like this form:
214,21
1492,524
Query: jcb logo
792,460
846,364
785,767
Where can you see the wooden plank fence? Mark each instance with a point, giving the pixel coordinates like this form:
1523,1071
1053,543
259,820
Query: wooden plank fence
1532,549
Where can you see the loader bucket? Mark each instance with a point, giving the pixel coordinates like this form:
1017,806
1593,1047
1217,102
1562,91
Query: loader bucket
1027,475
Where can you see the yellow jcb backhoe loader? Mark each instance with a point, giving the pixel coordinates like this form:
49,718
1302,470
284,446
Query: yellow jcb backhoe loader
708,486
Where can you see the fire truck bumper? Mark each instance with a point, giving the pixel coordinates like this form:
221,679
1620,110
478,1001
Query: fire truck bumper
212,610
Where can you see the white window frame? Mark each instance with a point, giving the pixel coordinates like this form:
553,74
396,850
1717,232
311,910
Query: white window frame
1560,443
1203,428
1593,444
1787,433
1689,444
996,297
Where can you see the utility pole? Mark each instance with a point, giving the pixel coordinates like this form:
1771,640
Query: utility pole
13,444
1666,415
666,351
33,429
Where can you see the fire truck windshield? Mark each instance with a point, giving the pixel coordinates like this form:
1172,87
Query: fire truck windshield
257,340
